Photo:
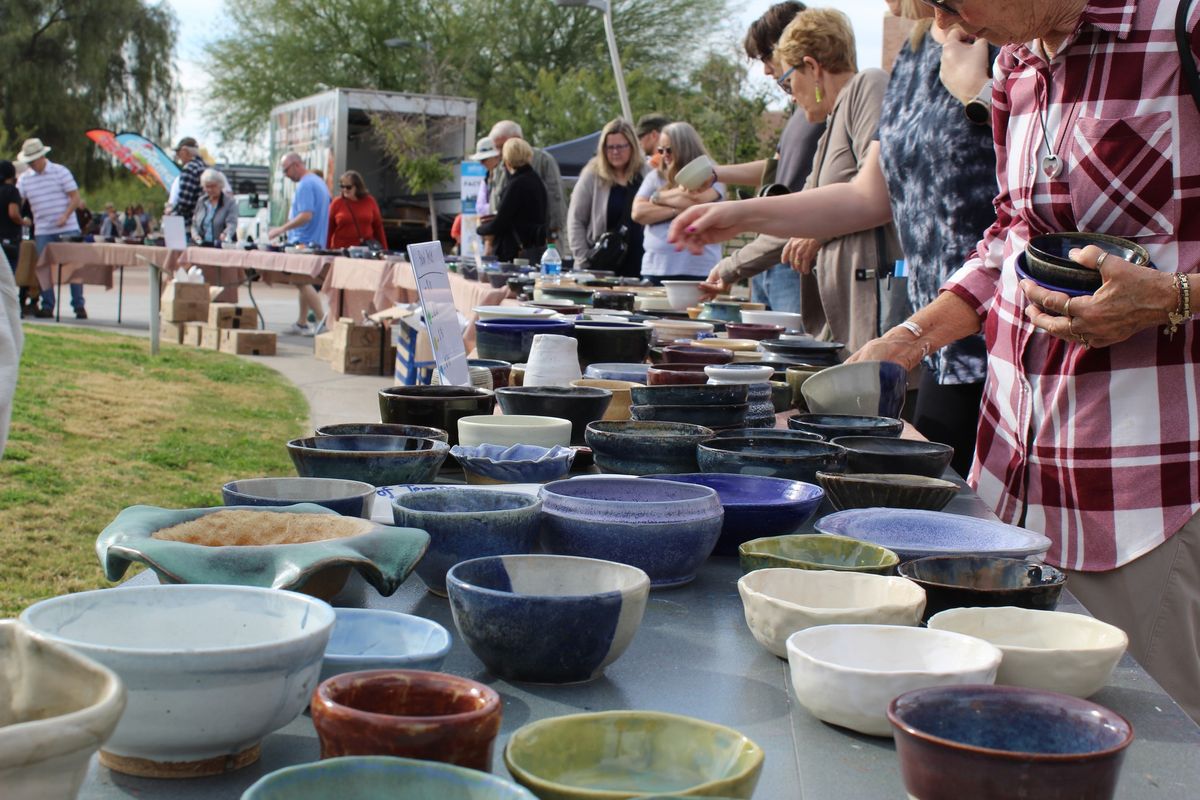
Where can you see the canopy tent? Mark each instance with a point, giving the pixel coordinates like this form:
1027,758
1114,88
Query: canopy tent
574,154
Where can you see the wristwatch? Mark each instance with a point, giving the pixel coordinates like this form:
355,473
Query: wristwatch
979,108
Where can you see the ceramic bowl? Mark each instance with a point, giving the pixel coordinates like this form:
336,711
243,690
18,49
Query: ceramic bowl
381,429
713,416
377,777
466,523
723,311
614,301
581,296
434,406
778,602
833,426
962,581
802,350
794,376
407,712
668,330
377,460
612,755
738,373
604,341
579,404
480,377
848,674
513,312
689,395
547,618
767,433
58,708
785,319
1048,259
734,345
349,498
509,429
756,331
516,463
693,354
371,638
878,454
615,371
914,533
500,371
664,528
561,308
781,397
645,448
996,742
871,388
675,374
693,175
870,490
816,551
1052,650
618,406
302,547
755,505
681,294
188,655
511,339
778,458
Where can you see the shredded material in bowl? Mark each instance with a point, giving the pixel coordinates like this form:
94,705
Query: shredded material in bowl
247,528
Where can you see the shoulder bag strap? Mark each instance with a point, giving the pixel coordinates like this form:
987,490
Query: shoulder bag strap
1184,44
354,218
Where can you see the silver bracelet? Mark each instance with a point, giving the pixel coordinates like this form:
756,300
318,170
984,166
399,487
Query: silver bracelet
912,328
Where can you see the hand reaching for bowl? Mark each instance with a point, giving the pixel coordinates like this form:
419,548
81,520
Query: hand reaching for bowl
701,225
714,285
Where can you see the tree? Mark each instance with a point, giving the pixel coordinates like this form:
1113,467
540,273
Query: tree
71,65
410,142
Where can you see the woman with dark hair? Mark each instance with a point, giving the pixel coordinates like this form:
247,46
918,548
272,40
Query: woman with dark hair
354,216
602,200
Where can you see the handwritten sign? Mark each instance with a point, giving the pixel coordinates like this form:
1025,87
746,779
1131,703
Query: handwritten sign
174,231
441,317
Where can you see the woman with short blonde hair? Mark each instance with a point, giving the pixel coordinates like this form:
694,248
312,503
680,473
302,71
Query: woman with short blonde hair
519,227
517,153
602,201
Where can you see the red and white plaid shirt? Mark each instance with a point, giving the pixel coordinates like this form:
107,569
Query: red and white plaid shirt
1098,449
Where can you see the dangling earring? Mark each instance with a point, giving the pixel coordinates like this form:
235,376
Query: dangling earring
817,90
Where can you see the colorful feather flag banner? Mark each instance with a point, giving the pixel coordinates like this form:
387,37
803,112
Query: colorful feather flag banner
138,154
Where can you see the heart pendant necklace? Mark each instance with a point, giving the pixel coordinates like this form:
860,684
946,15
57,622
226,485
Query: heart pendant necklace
1052,165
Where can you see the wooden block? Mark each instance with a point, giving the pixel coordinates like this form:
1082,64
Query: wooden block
210,338
348,335
172,332
356,360
184,311
193,334
232,316
324,346
247,343
185,292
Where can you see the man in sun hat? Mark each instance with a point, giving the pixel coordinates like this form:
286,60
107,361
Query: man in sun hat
187,153
53,197
487,154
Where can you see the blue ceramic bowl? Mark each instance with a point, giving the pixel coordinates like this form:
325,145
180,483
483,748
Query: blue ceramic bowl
645,448
382,429
1006,741
831,426
912,533
614,371
768,433
511,339
756,505
378,460
711,416
468,523
370,638
778,458
879,454
547,618
382,778
870,388
700,394
348,498
664,528
517,463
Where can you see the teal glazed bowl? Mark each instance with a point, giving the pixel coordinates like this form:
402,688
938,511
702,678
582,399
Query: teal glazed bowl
378,460
382,778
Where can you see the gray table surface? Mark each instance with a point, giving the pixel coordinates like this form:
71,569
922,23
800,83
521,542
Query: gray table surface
694,655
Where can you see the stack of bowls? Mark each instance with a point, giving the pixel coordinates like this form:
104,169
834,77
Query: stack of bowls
715,407
645,448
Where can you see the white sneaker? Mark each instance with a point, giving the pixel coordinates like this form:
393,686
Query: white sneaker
296,329
318,328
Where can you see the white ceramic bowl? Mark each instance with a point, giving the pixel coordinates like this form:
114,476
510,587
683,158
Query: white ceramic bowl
694,174
788,320
513,312
681,294
723,373
56,709
210,669
509,429
1052,650
668,330
780,601
848,674
736,345
652,303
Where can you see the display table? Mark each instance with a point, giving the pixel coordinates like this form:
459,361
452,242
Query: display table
228,266
93,264
694,655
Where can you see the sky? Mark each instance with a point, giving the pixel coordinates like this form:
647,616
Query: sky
198,25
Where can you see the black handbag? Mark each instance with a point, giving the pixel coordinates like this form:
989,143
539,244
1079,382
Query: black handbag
374,245
610,250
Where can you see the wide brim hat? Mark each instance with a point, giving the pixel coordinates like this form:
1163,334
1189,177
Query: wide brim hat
484,148
31,151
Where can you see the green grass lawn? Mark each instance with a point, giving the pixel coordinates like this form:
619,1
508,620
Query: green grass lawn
99,424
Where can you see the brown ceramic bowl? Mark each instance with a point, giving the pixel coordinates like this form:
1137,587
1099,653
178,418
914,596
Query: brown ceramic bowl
675,374
691,354
748,330
409,713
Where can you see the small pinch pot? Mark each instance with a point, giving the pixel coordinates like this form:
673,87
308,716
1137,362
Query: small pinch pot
848,674
779,602
778,458
703,394
968,581
409,713
376,777
302,547
711,416
579,404
57,709
675,374
188,655
1052,650
816,551
381,429
612,755
604,341
511,339
874,490
645,448
1001,742
434,406
517,463
755,505
878,454
871,388
372,638
664,528
348,498
618,407
547,618
378,460
467,523
832,426
691,354
755,331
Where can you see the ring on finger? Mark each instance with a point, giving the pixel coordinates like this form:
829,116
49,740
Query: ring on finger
1100,258
1067,307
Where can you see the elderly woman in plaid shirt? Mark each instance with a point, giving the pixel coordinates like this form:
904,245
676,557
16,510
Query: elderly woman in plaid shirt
1090,425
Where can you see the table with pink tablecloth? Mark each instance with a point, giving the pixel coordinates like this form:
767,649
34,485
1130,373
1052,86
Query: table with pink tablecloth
229,266
94,263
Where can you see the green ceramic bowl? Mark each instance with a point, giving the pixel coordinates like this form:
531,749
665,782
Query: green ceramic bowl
614,755
816,551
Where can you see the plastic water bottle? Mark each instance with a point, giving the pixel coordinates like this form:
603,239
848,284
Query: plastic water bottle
551,266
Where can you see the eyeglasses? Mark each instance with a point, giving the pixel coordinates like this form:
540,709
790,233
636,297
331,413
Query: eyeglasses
616,148
943,6
347,185
784,80
663,150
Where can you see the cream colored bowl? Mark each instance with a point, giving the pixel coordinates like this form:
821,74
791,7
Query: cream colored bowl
668,330
618,407
508,429
736,345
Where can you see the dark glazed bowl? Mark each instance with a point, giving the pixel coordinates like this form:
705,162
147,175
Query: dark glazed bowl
620,301
881,490
579,404
1001,742
676,374
1048,258
511,339
612,341
689,394
581,296
877,454
434,406
768,433
348,498
378,460
645,448
778,458
807,351
749,330
381,429
967,581
409,713
691,354
501,370
831,426
711,416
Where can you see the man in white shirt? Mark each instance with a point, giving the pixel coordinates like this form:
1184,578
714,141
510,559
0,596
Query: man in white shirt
53,196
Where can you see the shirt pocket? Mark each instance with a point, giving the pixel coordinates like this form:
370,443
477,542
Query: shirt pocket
1122,182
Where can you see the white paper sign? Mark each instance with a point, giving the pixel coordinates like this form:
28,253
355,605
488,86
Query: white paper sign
174,232
441,317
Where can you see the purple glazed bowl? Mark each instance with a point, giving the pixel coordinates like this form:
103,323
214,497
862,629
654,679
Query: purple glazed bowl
676,374
690,354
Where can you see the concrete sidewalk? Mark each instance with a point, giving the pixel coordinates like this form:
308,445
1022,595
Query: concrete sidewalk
332,397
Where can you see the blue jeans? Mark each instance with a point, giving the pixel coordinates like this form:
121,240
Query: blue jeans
48,294
778,287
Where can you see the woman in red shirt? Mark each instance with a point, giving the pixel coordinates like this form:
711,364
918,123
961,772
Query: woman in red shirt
354,216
